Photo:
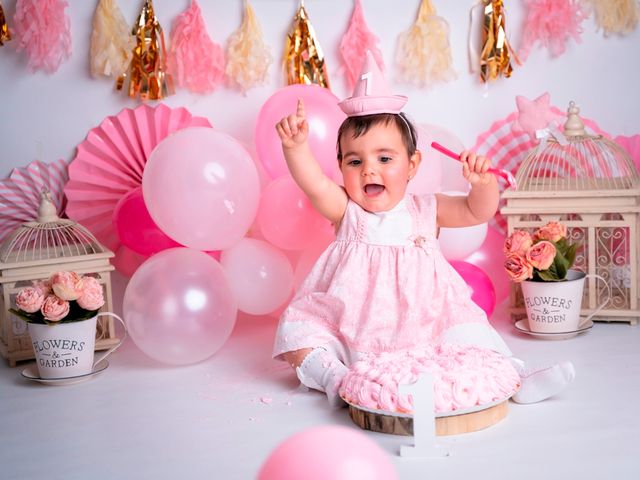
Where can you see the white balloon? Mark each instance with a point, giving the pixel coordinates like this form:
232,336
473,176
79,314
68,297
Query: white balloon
259,275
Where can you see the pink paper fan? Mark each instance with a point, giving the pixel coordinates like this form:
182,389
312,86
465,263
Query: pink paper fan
632,147
507,147
110,161
20,193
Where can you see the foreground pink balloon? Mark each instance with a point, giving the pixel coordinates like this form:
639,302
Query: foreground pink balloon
490,259
201,188
286,217
136,229
484,293
328,452
324,118
260,275
178,307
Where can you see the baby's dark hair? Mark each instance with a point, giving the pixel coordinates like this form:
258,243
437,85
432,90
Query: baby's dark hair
361,125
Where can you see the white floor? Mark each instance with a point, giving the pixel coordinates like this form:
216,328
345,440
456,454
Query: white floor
140,419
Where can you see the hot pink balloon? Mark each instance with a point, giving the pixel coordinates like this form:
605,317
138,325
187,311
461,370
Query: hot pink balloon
286,217
178,307
126,261
483,292
328,452
201,188
136,229
490,259
324,118
260,275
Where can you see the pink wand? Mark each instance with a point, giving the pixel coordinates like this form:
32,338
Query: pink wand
505,174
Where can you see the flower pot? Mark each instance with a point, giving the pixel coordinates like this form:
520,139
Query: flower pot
554,307
67,349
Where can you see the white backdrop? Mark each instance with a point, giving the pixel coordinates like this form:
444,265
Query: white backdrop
45,117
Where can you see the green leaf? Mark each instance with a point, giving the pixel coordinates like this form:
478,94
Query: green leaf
35,317
570,254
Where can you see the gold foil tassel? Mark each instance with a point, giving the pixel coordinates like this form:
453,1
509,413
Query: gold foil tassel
303,58
147,75
495,55
5,35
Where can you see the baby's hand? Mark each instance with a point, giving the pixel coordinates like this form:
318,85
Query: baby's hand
294,129
474,168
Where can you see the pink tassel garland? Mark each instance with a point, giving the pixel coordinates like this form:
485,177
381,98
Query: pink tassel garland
195,61
355,43
42,29
551,23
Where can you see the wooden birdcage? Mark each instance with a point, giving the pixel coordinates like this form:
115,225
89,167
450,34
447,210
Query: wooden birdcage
591,185
33,252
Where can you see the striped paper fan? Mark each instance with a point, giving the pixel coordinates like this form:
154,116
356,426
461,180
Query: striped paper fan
631,146
20,193
110,161
507,147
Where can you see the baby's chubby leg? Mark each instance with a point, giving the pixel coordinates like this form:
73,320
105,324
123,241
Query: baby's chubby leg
320,369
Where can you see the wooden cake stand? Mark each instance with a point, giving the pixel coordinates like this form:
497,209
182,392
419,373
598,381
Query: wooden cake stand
402,424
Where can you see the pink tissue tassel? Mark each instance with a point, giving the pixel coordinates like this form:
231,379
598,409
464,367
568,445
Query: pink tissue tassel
551,23
43,30
194,60
355,43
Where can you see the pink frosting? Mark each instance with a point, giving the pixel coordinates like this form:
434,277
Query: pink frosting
465,376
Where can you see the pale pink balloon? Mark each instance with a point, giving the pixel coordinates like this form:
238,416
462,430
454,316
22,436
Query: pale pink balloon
458,243
324,118
286,217
178,307
328,452
260,275
451,170
490,259
483,291
429,176
201,188
136,229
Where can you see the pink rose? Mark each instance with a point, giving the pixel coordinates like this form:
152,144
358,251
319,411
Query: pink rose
541,255
30,299
54,308
552,231
66,285
518,268
92,297
43,285
518,242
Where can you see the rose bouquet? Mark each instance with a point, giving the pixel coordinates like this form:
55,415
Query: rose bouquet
545,256
65,297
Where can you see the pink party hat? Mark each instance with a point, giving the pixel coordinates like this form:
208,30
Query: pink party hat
372,94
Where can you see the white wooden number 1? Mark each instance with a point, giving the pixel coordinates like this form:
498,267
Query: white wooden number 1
424,419
366,77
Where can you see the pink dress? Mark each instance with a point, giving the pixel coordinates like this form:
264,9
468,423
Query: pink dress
384,285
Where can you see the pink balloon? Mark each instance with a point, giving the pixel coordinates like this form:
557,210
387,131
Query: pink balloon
324,118
178,307
483,292
260,275
490,259
328,452
135,227
201,188
310,255
286,217
429,176
126,261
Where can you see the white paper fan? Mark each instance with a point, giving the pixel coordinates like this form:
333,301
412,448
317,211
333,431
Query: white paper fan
110,161
20,193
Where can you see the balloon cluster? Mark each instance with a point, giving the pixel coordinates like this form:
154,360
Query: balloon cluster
201,260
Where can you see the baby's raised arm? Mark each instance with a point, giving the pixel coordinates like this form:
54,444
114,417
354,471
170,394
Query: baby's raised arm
325,195
482,201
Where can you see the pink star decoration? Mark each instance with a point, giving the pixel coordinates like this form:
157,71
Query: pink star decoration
533,115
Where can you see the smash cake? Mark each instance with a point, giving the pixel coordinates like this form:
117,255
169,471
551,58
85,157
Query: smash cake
465,377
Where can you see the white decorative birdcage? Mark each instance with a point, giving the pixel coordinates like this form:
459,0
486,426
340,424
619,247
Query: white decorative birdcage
591,185
33,252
